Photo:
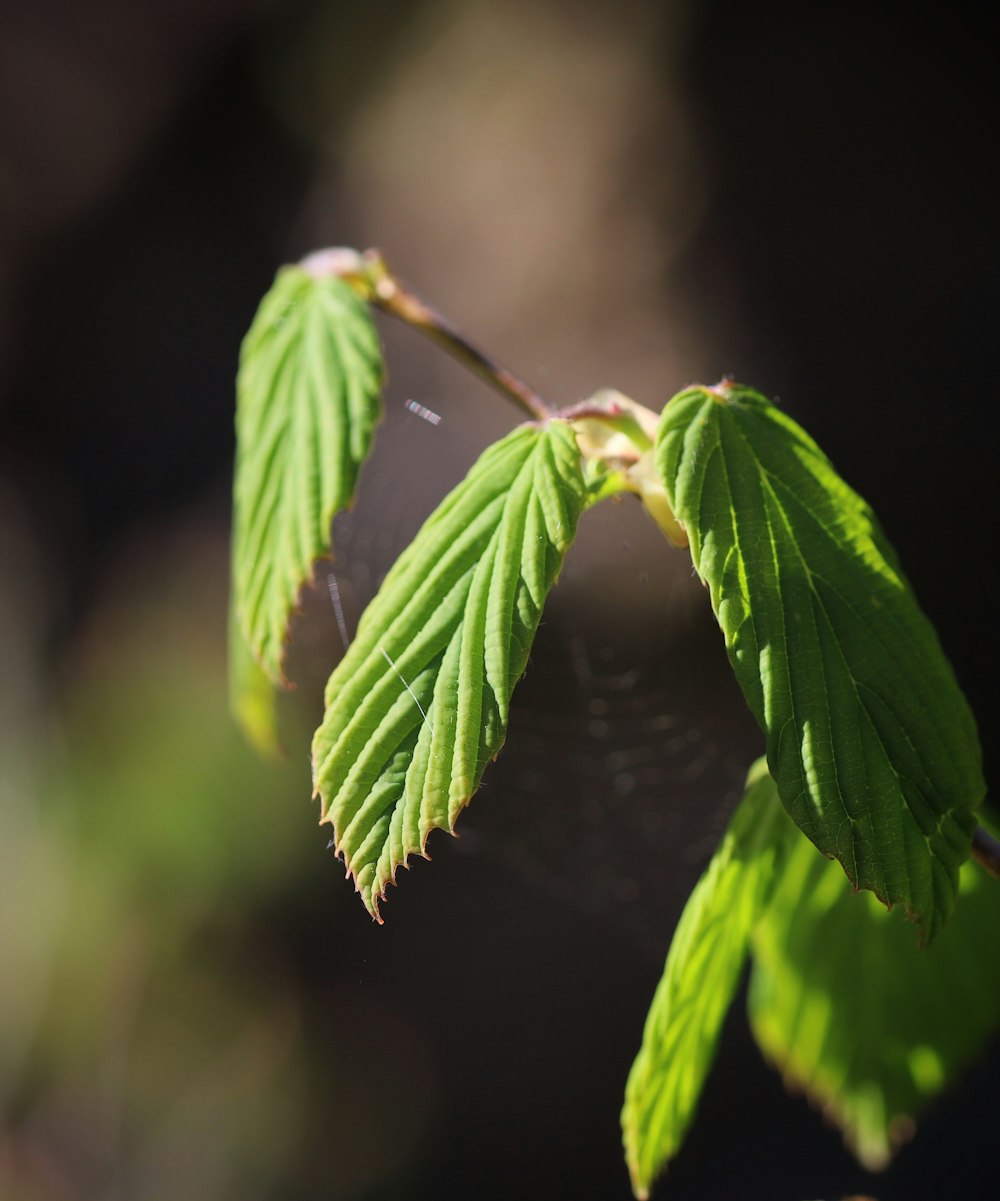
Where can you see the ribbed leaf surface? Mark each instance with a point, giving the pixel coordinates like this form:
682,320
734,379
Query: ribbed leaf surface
853,1013
702,972
419,704
307,403
869,738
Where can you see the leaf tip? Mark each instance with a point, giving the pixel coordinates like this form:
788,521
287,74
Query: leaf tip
637,1178
259,730
457,808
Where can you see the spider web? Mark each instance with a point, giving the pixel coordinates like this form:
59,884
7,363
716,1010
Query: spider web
628,740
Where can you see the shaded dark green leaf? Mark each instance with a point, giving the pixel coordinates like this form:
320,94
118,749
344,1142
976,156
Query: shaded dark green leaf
870,1027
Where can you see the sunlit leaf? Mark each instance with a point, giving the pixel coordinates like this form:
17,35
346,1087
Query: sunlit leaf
701,975
869,738
419,703
307,403
853,1013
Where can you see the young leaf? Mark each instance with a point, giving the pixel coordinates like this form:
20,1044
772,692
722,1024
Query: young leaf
869,738
307,403
702,972
850,1011
419,704
252,696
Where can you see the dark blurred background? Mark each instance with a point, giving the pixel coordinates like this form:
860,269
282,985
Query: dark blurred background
193,1003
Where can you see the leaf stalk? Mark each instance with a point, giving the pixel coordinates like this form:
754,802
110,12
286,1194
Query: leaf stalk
370,276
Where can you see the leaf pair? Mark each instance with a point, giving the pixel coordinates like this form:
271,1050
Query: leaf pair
841,1000
420,702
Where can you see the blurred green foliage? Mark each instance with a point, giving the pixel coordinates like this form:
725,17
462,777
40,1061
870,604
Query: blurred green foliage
156,1037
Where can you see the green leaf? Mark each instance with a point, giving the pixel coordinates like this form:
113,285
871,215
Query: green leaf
869,738
307,403
853,1013
419,704
252,696
701,975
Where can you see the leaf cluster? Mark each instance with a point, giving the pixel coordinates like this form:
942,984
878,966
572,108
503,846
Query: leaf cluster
872,774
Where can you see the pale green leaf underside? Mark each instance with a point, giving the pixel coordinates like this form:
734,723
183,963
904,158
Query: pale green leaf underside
853,1013
253,697
869,738
419,703
701,975
307,403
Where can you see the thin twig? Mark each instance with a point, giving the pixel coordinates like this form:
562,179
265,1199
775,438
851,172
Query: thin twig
393,297
371,278
986,851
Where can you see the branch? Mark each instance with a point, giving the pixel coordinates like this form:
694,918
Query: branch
370,276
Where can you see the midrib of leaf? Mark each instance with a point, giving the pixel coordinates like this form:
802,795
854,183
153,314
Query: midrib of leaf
420,702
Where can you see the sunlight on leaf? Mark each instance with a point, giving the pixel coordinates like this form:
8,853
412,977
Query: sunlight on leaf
850,1011
419,704
307,403
701,975
869,738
